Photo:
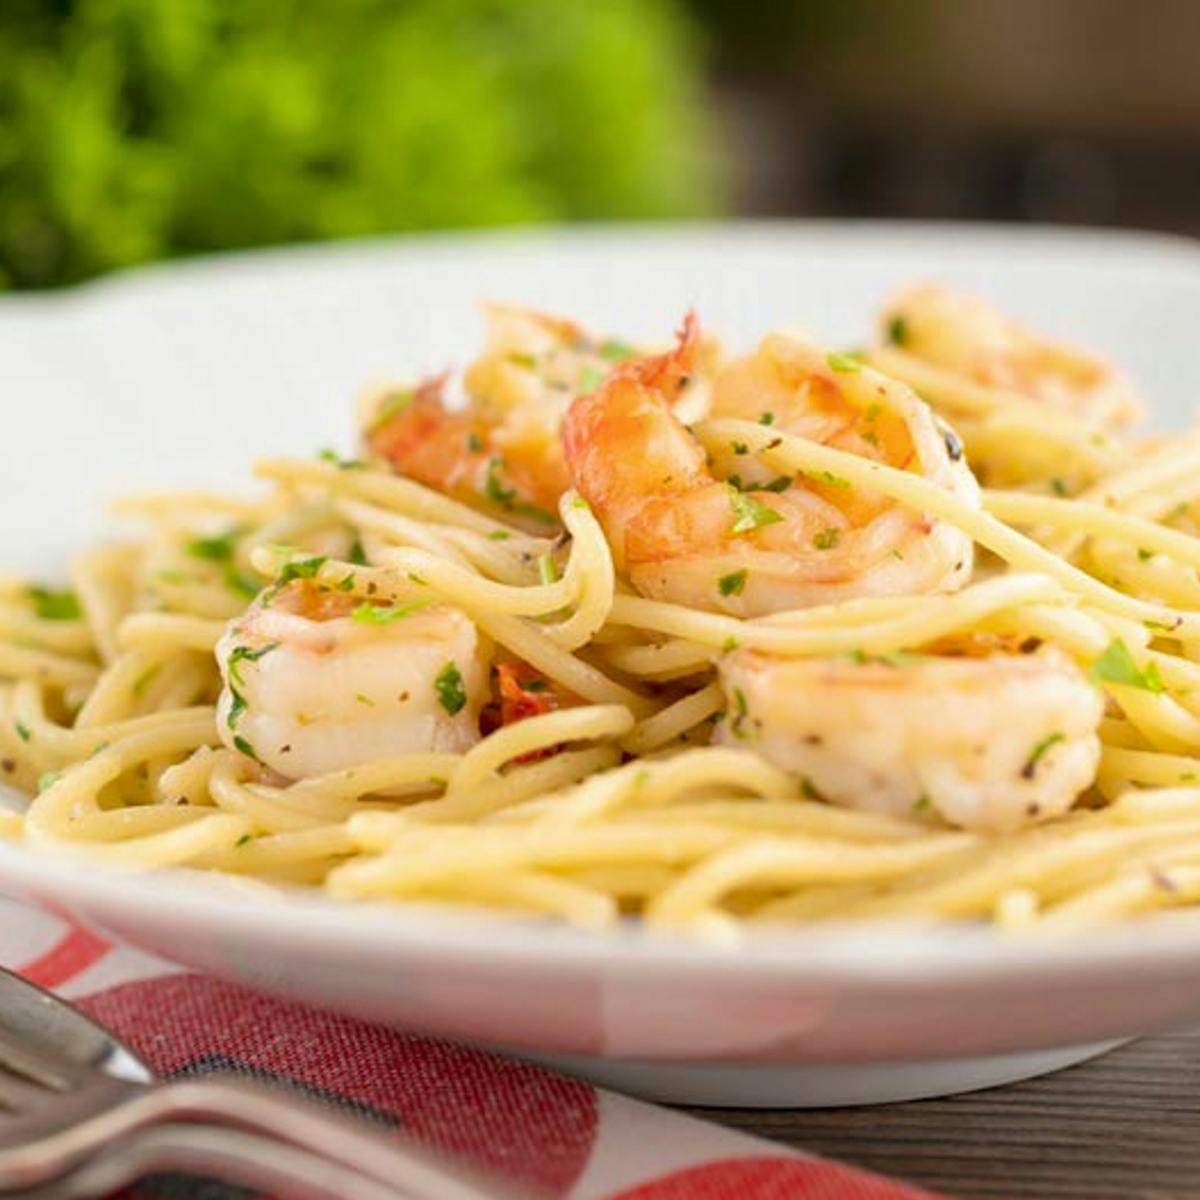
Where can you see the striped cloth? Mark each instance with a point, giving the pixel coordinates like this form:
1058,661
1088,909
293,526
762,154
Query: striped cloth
561,1137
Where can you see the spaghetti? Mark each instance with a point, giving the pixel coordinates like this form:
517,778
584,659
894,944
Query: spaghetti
593,761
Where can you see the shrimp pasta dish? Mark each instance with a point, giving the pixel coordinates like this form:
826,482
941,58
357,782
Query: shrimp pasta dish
707,639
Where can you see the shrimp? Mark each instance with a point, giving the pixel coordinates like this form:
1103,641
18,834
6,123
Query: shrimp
964,335
690,530
985,736
502,451
317,681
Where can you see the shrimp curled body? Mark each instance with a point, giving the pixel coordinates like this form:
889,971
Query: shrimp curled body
987,743
310,689
717,532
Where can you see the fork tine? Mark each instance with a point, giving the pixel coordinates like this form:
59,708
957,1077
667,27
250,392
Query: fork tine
32,1065
17,1095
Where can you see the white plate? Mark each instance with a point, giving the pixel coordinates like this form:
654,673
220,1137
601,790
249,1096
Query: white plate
183,374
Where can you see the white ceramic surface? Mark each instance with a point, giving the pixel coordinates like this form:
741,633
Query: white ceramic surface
183,374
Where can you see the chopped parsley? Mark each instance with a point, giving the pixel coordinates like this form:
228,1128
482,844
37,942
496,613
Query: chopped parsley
342,464
1058,486
1144,555
356,554
241,654
521,359
828,477
740,448
810,789
22,731
897,331
615,351
385,614
1117,665
391,405
844,364
302,568
734,583
506,497
590,378
240,583
244,746
547,569
922,805
767,418
364,700
474,442
750,514
216,549
1037,753
499,535
244,840
345,585
55,604
729,645
451,693
827,538
1161,626
48,779
779,484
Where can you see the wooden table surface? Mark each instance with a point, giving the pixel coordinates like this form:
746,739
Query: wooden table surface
1122,1127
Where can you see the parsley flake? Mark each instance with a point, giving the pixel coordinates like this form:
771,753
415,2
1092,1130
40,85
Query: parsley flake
342,464
590,378
733,584
1117,665
897,331
216,549
389,407
241,654
827,538
245,747
240,583
55,604
615,351
385,614
302,568
451,693
828,477
843,364
1038,752
750,514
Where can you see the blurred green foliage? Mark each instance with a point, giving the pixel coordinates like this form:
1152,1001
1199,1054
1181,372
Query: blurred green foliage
136,129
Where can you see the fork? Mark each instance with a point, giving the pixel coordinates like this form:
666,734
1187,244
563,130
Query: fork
71,1089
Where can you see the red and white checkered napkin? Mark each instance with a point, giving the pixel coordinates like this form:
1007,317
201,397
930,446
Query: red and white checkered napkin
559,1136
